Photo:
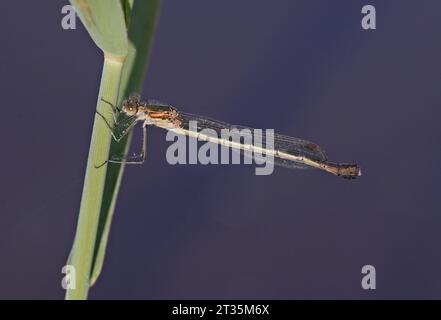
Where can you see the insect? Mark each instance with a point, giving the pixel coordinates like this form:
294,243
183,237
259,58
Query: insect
287,151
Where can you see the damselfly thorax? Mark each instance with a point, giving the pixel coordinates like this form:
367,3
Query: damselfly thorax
151,112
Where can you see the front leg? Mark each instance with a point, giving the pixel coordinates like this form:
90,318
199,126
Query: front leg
111,128
113,109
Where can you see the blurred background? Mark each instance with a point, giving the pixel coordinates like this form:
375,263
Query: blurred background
305,68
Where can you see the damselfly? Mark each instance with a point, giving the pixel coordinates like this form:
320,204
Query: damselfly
287,151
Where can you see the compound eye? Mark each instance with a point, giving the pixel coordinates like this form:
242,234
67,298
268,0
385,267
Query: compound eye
130,108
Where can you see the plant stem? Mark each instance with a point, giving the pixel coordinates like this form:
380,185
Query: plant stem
94,181
143,19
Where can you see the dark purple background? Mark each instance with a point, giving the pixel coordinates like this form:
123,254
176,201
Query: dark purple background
305,68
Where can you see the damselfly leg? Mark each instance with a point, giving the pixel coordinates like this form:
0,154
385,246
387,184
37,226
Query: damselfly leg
114,109
136,158
115,121
120,128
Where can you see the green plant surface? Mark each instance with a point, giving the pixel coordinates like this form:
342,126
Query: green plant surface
105,22
143,20
126,55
